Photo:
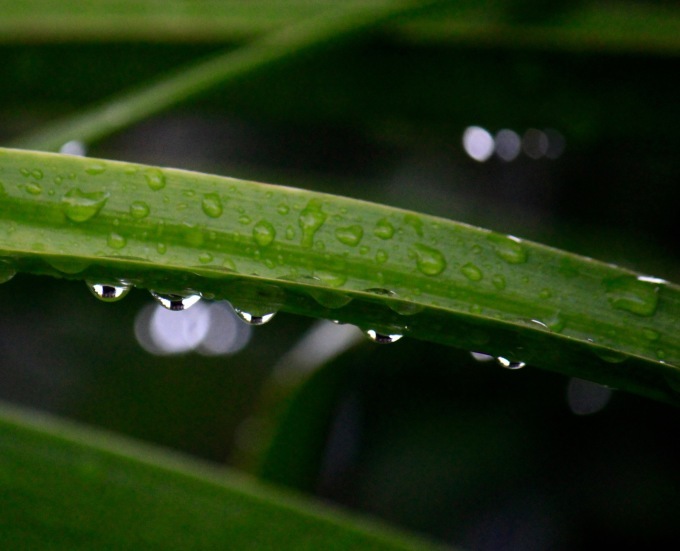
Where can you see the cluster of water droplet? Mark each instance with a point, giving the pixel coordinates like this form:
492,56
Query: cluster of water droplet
635,295
500,360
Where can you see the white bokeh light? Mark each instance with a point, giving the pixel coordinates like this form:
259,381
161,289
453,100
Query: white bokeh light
586,397
556,144
227,334
74,147
478,143
209,329
535,143
508,144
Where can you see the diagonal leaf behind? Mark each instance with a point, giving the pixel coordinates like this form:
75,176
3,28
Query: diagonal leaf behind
64,487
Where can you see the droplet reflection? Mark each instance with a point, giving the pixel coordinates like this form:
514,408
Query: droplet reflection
252,319
382,338
478,143
109,292
509,364
175,302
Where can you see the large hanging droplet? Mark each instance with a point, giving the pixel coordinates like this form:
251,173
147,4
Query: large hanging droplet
174,301
509,364
109,292
382,338
252,319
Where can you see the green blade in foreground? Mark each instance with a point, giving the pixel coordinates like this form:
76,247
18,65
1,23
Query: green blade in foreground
62,487
266,248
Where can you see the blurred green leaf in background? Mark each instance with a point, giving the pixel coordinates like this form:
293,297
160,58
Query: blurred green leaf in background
554,122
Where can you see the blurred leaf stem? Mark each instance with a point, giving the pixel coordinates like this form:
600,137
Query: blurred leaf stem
228,68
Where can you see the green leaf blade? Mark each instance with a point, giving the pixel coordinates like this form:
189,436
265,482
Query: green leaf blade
64,487
270,247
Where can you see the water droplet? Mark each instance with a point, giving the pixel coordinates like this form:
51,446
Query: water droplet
212,205
7,271
67,266
508,364
383,229
652,279
310,220
350,235
161,248
80,206
37,174
498,282
109,292
282,209
428,260
95,168
252,319
263,233
381,292
610,356
472,272
139,209
155,179
327,299
401,307
381,256
205,258
508,248
116,241
331,279
174,301
481,357
538,324
556,323
382,338
34,188
545,293
632,295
